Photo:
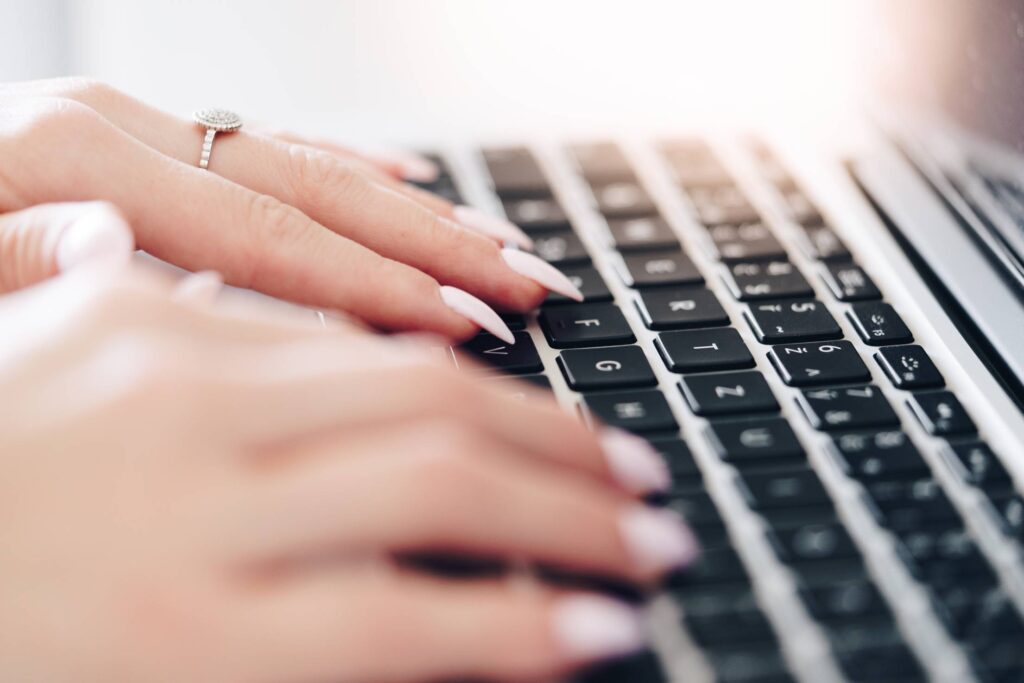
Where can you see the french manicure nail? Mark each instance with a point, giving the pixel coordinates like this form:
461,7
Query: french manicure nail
634,462
589,627
541,272
657,539
492,226
98,235
467,305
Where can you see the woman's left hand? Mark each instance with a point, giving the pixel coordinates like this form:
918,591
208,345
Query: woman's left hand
308,222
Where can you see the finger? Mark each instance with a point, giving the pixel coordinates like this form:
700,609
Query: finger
397,164
333,193
253,240
441,487
343,626
199,288
315,387
38,242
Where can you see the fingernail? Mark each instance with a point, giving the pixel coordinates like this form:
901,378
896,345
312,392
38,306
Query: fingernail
412,167
199,288
589,627
492,226
541,272
634,462
483,315
98,235
657,539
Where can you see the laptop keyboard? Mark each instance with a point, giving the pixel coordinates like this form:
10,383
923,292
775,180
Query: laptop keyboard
813,442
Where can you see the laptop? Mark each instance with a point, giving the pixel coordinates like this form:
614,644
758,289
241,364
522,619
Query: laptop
825,341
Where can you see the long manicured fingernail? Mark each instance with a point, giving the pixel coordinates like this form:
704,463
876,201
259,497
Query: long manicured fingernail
98,235
484,223
541,272
657,539
588,627
634,463
199,288
483,315
412,167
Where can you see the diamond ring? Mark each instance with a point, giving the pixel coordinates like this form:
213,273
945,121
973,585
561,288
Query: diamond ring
215,121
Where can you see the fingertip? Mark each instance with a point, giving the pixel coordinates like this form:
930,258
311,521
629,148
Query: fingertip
100,234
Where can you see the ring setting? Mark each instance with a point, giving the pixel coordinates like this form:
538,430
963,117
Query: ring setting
214,121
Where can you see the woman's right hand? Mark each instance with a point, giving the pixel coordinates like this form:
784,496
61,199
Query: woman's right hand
203,493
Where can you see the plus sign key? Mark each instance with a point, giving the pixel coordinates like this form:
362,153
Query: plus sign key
585,325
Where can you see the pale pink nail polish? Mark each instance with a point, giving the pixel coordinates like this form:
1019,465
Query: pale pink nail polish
541,272
591,627
467,305
491,226
416,169
657,539
634,463
98,235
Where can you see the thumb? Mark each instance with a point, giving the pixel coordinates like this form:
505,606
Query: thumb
41,241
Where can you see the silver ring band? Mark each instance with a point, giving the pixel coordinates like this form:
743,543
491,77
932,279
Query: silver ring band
214,121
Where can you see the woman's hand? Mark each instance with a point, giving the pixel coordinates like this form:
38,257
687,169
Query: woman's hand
193,492
308,222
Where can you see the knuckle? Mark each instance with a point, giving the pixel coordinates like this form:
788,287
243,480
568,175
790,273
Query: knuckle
85,89
315,176
275,225
50,119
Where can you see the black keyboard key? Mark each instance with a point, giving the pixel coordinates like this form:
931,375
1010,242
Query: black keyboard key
979,466
720,565
945,554
745,242
515,172
641,668
792,321
613,367
674,308
737,627
718,600
560,247
515,321
636,411
696,508
518,358
750,663
537,214
590,283
878,324
849,282
790,518
704,350
879,455
716,204
844,600
894,663
829,572
766,490
941,413
602,162
1009,508
823,244
813,542
656,268
756,281
648,232
847,408
585,325
804,365
767,441
909,367
728,393
677,455
623,199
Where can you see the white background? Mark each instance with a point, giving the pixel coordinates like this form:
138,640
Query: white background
404,70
